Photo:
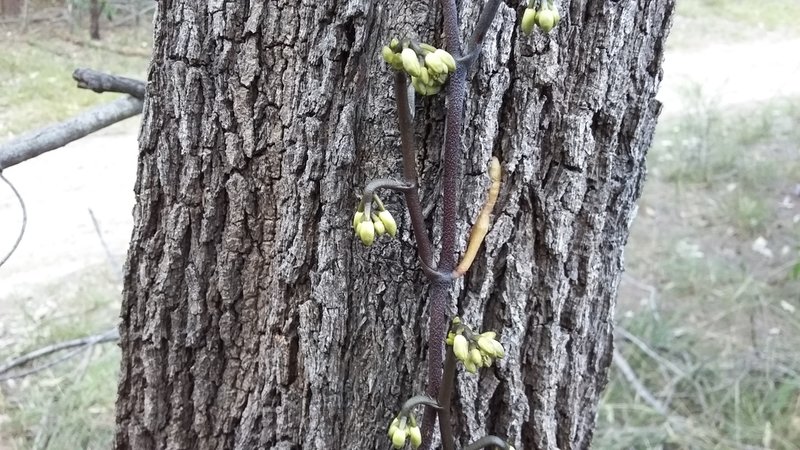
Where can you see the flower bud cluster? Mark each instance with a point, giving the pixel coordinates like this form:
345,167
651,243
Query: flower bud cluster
405,428
474,350
546,17
427,65
377,222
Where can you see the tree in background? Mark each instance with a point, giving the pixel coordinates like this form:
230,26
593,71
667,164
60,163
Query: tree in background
252,318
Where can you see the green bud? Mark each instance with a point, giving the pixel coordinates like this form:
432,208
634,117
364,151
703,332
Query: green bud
415,436
499,351
470,366
485,344
388,222
357,219
450,337
411,62
447,59
487,360
488,334
435,64
528,20
366,232
476,357
394,45
399,438
380,230
388,54
394,427
511,447
427,47
461,347
546,20
425,76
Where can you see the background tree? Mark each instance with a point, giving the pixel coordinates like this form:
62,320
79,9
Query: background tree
253,319
10,7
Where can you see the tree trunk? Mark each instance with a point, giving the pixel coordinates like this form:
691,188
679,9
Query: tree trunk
10,7
251,316
95,9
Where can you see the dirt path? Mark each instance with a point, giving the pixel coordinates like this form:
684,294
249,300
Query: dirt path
727,75
59,188
99,172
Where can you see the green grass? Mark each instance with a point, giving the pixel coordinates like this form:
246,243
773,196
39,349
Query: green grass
723,319
36,86
69,405
721,396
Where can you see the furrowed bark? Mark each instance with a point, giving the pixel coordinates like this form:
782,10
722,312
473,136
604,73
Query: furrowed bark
251,316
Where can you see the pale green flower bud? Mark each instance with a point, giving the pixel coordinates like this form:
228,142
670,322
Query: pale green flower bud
487,360
411,62
388,222
499,351
380,230
399,438
476,357
461,347
427,47
435,64
394,45
488,334
470,366
447,59
546,20
528,20
366,232
415,436
424,75
419,86
450,337
388,54
357,219
486,346
394,427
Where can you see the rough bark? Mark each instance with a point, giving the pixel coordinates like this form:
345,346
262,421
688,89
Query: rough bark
252,318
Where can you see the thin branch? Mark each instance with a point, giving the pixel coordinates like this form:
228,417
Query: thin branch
487,441
440,291
102,82
106,336
424,246
638,386
24,219
650,352
115,267
479,35
35,143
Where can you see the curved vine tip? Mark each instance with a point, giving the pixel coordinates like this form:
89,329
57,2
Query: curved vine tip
481,227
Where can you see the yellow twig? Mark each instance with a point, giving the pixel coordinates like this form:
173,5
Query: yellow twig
481,227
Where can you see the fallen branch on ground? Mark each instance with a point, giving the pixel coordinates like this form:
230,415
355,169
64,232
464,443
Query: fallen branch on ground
77,344
638,386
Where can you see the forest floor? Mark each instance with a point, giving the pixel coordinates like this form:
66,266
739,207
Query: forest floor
707,312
